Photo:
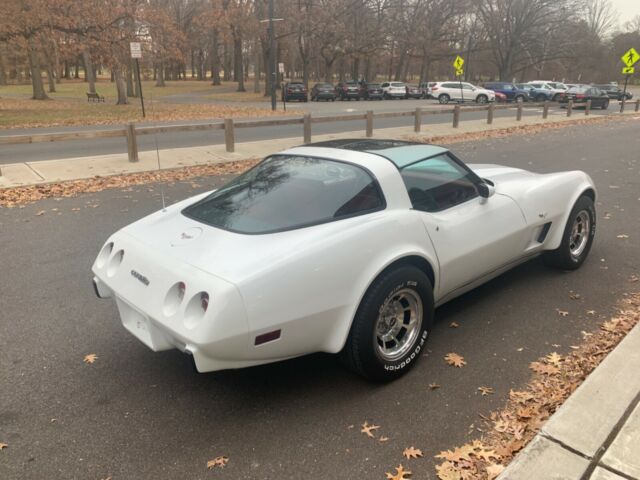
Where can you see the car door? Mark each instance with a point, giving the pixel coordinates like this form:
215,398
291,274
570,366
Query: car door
473,236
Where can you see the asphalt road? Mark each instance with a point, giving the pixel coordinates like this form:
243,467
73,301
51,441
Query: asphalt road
102,146
138,414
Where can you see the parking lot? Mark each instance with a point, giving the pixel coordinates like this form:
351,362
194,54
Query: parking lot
138,414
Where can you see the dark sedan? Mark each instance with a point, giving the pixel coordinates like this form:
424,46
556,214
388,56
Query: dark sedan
349,90
323,91
373,91
582,93
614,92
294,91
414,91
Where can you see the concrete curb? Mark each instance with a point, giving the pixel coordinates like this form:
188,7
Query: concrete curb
595,434
48,171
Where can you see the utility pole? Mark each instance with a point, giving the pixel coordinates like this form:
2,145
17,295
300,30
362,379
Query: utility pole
272,69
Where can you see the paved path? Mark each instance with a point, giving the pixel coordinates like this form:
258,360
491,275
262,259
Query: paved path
139,414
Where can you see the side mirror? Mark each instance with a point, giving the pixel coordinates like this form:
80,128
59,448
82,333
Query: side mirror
485,190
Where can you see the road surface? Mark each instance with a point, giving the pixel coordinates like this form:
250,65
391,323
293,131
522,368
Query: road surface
139,414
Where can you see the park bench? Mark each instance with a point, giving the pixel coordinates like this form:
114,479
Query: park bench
94,97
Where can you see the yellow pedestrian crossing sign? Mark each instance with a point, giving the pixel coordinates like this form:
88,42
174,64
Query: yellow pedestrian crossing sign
628,70
459,62
630,57
459,72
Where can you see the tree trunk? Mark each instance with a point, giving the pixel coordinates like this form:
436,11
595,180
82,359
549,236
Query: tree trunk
3,71
256,68
50,77
130,89
121,86
34,67
215,59
268,73
238,72
227,63
89,75
160,76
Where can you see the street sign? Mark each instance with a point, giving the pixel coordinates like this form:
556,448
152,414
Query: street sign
459,72
628,70
281,67
630,57
458,63
136,49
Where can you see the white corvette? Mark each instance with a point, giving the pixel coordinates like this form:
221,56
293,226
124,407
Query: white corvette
342,246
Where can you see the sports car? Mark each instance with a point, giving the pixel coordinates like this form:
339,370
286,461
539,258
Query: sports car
345,246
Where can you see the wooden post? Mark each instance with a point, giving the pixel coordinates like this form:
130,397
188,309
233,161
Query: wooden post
456,116
519,112
369,123
637,105
587,107
490,114
229,137
569,108
622,104
417,121
132,144
545,109
307,128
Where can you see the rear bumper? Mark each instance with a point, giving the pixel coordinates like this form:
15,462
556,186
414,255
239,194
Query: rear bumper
217,339
325,95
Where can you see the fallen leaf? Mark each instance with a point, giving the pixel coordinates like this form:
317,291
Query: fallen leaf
434,386
574,296
220,462
41,212
455,360
412,452
454,325
591,312
562,313
494,470
543,368
383,439
634,278
399,475
458,454
367,429
622,235
3,446
554,358
448,471
484,391
90,358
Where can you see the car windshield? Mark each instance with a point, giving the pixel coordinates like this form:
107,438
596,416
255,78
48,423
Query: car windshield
324,85
577,90
285,192
397,84
374,85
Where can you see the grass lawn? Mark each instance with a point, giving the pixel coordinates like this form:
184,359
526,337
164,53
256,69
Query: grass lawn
69,106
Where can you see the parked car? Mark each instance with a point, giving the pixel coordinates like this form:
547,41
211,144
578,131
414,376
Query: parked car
426,89
461,91
501,97
554,92
294,91
323,91
414,91
614,92
558,85
535,94
394,90
580,95
373,91
348,90
513,93
216,276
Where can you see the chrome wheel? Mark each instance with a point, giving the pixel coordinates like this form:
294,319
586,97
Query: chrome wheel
398,324
579,234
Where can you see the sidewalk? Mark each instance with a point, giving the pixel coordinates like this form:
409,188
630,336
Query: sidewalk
31,173
595,435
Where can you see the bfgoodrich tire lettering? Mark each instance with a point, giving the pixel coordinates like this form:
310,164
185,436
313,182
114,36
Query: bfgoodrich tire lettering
398,288
574,248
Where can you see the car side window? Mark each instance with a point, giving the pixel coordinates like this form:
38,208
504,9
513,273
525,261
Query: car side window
385,84
438,183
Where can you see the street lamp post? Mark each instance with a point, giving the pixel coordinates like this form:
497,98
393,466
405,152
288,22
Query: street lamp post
273,69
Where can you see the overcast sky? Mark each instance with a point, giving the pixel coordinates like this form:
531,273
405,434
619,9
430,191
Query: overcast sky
627,9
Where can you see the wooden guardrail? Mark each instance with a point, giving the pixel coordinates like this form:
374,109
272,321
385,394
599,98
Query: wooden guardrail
131,131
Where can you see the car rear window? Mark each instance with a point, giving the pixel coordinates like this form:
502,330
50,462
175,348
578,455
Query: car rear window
285,192
373,85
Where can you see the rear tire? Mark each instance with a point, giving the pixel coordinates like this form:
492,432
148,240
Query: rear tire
577,237
444,99
605,105
482,99
391,325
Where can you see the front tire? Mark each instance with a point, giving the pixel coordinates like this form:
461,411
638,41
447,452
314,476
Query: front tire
444,99
577,237
482,99
605,105
391,325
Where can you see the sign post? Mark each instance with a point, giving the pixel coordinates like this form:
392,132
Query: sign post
136,54
457,64
284,94
630,57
